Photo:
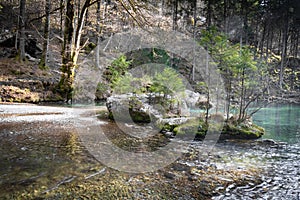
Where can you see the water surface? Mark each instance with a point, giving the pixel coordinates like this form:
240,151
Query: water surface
281,122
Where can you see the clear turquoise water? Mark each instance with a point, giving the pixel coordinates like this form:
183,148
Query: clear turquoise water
281,122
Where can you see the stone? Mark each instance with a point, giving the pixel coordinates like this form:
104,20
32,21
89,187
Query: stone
130,107
140,108
180,167
169,175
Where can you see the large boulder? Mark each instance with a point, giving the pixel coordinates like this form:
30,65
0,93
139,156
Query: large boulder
196,100
145,108
132,108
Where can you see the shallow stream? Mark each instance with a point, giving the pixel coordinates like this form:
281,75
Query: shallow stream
278,153
41,157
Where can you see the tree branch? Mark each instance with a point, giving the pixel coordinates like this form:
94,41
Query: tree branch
41,17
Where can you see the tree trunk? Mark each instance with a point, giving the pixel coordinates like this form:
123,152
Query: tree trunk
71,47
175,12
22,30
225,17
244,13
262,40
242,97
283,51
61,17
44,57
208,15
78,32
98,33
67,63
194,37
296,45
270,45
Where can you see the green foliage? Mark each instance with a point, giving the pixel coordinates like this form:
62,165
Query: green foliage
237,66
201,87
42,65
160,56
151,55
125,84
102,91
242,131
167,82
118,68
245,60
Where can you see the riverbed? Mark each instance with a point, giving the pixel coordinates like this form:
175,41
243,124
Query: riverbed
43,157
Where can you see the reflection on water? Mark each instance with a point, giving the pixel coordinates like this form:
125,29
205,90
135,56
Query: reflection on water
281,122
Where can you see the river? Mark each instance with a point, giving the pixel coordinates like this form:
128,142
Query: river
281,122
278,154
42,158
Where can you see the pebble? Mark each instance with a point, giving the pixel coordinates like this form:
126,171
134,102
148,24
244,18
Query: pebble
192,178
180,167
24,148
169,175
169,134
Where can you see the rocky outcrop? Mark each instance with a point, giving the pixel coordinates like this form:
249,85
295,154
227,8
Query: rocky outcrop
143,108
132,107
196,100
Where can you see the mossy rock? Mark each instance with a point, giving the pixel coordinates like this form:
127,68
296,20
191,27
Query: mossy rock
229,131
169,124
197,127
139,117
242,131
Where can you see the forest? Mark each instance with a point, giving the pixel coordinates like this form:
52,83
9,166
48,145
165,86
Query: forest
53,34
132,99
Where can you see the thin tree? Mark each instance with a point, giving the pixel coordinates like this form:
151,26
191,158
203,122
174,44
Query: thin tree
44,57
194,37
284,48
98,34
175,13
22,17
62,8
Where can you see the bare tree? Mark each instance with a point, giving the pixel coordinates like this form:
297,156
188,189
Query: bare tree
284,49
98,33
46,35
22,23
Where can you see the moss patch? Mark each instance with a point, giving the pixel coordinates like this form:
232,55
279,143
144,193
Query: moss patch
242,131
195,126
229,131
